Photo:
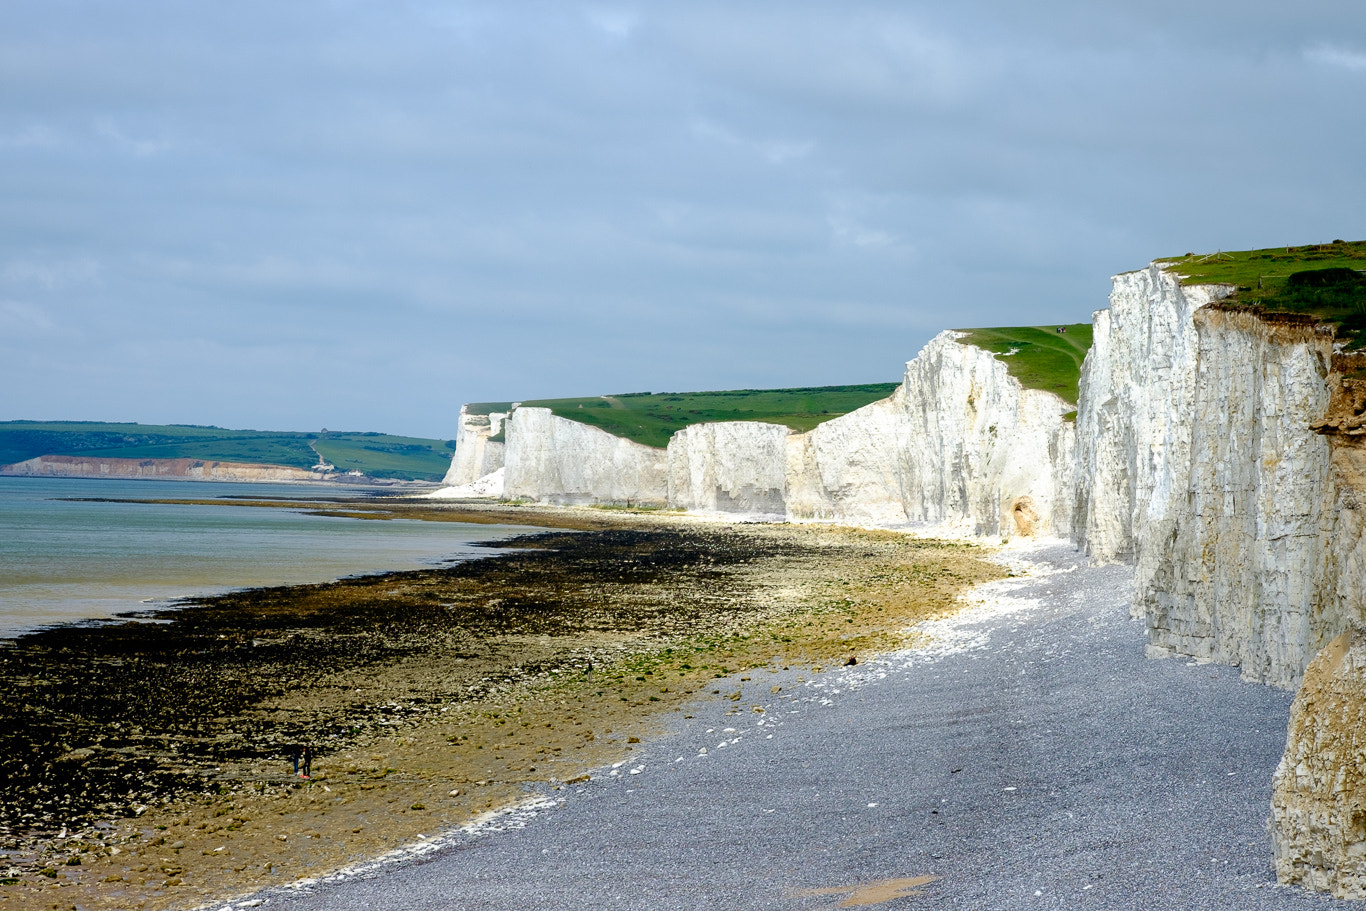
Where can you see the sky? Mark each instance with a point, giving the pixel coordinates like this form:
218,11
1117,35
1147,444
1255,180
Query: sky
351,215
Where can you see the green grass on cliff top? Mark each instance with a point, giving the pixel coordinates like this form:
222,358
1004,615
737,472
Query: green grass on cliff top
652,417
1040,357
1321,280
377,455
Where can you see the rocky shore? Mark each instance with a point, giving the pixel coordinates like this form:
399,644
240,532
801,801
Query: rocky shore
146,762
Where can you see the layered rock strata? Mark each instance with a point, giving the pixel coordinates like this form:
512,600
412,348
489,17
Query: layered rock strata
1318,802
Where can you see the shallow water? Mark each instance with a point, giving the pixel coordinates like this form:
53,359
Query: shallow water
64,558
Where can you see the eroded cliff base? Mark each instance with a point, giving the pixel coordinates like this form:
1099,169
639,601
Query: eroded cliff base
1318,805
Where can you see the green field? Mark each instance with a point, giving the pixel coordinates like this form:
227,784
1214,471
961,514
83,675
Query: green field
377,455
652,417
1040,357
1321,280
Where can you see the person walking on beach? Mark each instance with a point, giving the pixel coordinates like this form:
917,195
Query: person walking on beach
302,754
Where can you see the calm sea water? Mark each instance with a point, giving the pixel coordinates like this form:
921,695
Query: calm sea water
63,559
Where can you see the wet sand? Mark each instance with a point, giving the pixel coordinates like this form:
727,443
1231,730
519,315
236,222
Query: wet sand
146,763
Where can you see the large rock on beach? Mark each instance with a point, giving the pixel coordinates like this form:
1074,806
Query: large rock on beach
1318,801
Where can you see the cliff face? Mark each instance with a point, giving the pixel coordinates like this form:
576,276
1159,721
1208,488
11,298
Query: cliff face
852,468
553,460
984,454
1236,573
1318,798
1134,416
475,454
959,448
734,467
1199,462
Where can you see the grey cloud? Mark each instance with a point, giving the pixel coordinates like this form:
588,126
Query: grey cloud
221,210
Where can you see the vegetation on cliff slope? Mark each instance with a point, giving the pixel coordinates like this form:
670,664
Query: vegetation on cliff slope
1040,357
1325,281
378,455
652,417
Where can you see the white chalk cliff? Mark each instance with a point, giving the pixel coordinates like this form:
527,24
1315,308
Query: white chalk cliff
733,467
476,453
1192,456
959,448
1199,461
553,460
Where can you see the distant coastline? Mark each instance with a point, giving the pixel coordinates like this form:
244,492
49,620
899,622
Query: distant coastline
64,466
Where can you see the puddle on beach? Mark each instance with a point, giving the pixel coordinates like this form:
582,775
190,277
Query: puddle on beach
863,895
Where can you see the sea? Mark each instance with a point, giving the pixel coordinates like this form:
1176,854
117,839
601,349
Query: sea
70,553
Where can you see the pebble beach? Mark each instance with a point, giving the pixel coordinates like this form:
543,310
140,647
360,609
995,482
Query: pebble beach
1027,756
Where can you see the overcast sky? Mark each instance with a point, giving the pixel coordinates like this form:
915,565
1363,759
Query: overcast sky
359,215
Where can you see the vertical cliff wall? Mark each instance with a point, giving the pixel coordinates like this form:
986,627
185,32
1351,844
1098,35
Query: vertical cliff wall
1233,570
1199,461
961,447
1134,416
553,460
476,455
733,467
852,468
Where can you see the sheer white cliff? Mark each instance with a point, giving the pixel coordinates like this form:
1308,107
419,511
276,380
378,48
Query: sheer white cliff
732,467
476,455
1134,413
852,468
553,460
961,447
1198,462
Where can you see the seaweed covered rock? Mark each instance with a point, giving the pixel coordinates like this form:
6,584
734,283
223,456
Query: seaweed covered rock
1318,802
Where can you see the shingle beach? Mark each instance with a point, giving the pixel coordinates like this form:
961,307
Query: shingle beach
1030,757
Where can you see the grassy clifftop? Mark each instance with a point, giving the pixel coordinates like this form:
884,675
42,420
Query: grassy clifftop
1325,281
1040,357
378,455
652,417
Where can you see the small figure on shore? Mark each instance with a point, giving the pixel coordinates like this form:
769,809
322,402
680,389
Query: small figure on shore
851,662
302,754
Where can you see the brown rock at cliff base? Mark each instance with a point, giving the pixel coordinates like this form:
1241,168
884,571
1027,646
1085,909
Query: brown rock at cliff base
1318,799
